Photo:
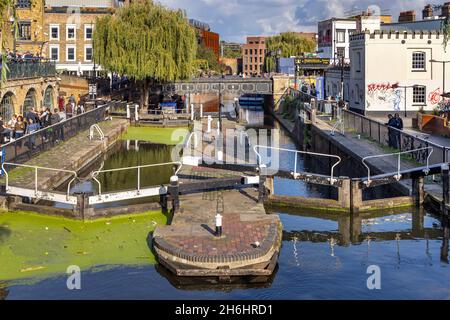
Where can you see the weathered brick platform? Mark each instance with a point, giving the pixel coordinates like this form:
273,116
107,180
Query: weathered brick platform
249,245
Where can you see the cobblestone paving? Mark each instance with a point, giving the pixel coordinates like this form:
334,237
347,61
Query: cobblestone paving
68,155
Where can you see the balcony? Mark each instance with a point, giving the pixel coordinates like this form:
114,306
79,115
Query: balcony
30,69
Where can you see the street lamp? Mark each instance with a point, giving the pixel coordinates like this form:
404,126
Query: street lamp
444,62
406,87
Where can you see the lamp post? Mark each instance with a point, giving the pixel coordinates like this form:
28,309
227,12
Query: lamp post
406,87
220,101
444,62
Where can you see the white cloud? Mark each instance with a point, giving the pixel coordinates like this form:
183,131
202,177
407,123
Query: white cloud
236,19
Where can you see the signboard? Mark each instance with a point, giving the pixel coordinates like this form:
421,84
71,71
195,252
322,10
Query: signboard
92,90
313,61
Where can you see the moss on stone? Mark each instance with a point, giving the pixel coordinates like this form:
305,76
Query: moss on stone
169,136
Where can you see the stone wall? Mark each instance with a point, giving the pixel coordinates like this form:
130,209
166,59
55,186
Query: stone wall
73,85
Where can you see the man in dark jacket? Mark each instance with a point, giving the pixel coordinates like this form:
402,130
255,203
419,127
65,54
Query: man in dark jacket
392,124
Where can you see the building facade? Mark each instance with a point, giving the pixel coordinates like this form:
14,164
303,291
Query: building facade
253,56
394,71
206,37
69,29
334,38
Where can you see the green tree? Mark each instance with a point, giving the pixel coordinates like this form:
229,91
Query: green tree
208,58
7,10
148,42
290,44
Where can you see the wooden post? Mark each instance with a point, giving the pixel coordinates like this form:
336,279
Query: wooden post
174,191
344,193
445,188
418,191
356,200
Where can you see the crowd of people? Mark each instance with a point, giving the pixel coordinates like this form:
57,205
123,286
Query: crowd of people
33,120
394,121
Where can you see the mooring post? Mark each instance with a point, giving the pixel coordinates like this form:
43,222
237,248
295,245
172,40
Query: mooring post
201,110
128,112
192,112
445,188
174,191
418,191
163,202
262,183
136,112
218,225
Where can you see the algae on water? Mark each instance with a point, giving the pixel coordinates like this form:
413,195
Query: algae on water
35,246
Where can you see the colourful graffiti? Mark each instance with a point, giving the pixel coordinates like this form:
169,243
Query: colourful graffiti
435,98
384,96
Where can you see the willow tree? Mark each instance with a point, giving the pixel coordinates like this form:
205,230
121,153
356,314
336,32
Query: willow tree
291,44
7,10
148,42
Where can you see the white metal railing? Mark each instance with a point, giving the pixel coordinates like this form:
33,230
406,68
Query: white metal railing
92,129
36,168
188,141
295,174
398,175
138,168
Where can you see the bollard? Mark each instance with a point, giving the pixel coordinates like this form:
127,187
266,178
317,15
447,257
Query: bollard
209,124
136,112
174,191
192,112
128,112
218,225
201,110
445,188
218,128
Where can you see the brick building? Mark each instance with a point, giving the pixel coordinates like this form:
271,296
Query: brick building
253,56
206,37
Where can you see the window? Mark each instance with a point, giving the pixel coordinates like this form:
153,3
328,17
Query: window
351,32
71,32
70,53
340,36
54,52
251,51
88,52
340,52
23,4
419,94
54,32
24,30
88,32
246,51
418,61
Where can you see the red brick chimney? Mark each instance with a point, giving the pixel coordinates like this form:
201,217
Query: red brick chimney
407,16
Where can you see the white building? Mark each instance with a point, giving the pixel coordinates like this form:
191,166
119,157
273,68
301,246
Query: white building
389,68
334,38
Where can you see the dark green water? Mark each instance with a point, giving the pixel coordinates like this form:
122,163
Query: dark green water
322,256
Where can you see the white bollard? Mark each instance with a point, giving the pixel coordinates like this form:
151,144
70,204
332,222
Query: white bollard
218,128
218,225
136,145
136,112
128,145
201,110
209,124
192,112
220,155
128,112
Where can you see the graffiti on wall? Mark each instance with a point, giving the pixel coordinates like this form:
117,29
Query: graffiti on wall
435,98
384,96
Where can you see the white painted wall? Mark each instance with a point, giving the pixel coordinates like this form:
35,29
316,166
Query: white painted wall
379,61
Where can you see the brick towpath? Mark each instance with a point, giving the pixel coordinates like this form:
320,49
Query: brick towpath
72,154
190,241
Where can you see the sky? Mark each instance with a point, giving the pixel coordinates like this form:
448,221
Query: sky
234,20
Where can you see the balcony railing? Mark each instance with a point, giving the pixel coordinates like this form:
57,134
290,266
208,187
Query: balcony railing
30,69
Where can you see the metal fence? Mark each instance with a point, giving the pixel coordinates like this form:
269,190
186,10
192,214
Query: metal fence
30,69
24,148
393,138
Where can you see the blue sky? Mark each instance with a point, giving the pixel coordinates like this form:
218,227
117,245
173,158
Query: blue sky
236,19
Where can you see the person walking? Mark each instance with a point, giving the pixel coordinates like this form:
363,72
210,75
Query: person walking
392,124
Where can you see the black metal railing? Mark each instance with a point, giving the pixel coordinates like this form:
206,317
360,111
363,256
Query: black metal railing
29,69
394,138
26,147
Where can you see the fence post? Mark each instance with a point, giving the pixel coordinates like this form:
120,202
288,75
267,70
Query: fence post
344,193
445,188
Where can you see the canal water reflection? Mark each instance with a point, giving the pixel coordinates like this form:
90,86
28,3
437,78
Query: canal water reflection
324,256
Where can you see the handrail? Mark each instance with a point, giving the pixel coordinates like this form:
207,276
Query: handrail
193,133
36,175
332,180
99,130
398,176
95,174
